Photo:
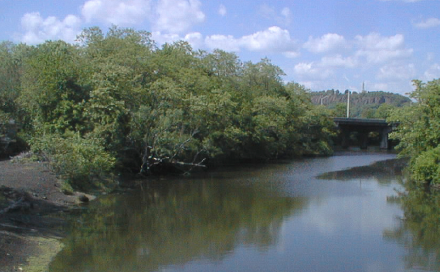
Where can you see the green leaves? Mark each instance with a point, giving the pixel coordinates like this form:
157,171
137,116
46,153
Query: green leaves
52,88
419,131
82,162
150,106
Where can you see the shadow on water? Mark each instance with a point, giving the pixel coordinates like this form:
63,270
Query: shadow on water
172,223
383,172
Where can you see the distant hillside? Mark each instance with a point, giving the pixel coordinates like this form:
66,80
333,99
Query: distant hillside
362,104
364,98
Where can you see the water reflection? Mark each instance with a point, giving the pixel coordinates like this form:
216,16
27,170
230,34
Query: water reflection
171,223
383,172
278,217
419,231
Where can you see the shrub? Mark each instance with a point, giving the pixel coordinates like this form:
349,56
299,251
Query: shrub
81,162
426,166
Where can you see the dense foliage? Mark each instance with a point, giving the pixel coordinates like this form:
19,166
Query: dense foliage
116,100
419,132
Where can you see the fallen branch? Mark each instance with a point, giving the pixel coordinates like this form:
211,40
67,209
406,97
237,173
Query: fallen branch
19,204
190,164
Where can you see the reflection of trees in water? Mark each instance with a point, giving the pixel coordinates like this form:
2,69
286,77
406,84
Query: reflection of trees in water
383,171
419,231
172,225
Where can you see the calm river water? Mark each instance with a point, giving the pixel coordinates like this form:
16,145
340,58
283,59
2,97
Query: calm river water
322,214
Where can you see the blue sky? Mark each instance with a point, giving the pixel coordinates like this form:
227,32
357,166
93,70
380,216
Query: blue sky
322,44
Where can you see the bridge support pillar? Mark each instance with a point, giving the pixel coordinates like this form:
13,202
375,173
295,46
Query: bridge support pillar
384,138
363,139
345,133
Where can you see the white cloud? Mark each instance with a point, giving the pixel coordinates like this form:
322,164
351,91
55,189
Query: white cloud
161,38
404,72
227,43
375,41
304,68
428,23
381,56
38,29
177,16
378,49
311,70
117,12
339,61
195,39
326,43
272,40
171,16
222,10
285,12
92,10
284,17
291,54
432,72
373,55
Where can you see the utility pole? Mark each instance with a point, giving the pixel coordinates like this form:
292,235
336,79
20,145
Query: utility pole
348,103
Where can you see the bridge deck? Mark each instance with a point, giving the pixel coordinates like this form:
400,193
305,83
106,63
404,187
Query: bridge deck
363,127
360,122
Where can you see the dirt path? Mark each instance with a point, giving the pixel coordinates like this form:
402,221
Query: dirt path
30,226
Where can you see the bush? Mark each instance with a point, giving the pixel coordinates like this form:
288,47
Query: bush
426,166
81,162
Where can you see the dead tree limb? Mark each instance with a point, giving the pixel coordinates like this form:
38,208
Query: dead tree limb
15,206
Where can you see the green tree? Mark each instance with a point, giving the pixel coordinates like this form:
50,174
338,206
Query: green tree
340,110
53,91
384,111
10,77
153,107
419,131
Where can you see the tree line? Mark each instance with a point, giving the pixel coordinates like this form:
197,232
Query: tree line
116,101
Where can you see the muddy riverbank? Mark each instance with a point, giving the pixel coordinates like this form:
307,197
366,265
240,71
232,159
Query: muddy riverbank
31,221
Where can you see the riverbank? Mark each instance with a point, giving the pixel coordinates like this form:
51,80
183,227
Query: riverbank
31,227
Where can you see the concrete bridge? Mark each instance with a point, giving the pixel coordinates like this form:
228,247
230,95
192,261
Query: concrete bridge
363,127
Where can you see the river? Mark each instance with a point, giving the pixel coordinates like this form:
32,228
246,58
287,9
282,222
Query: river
336,213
